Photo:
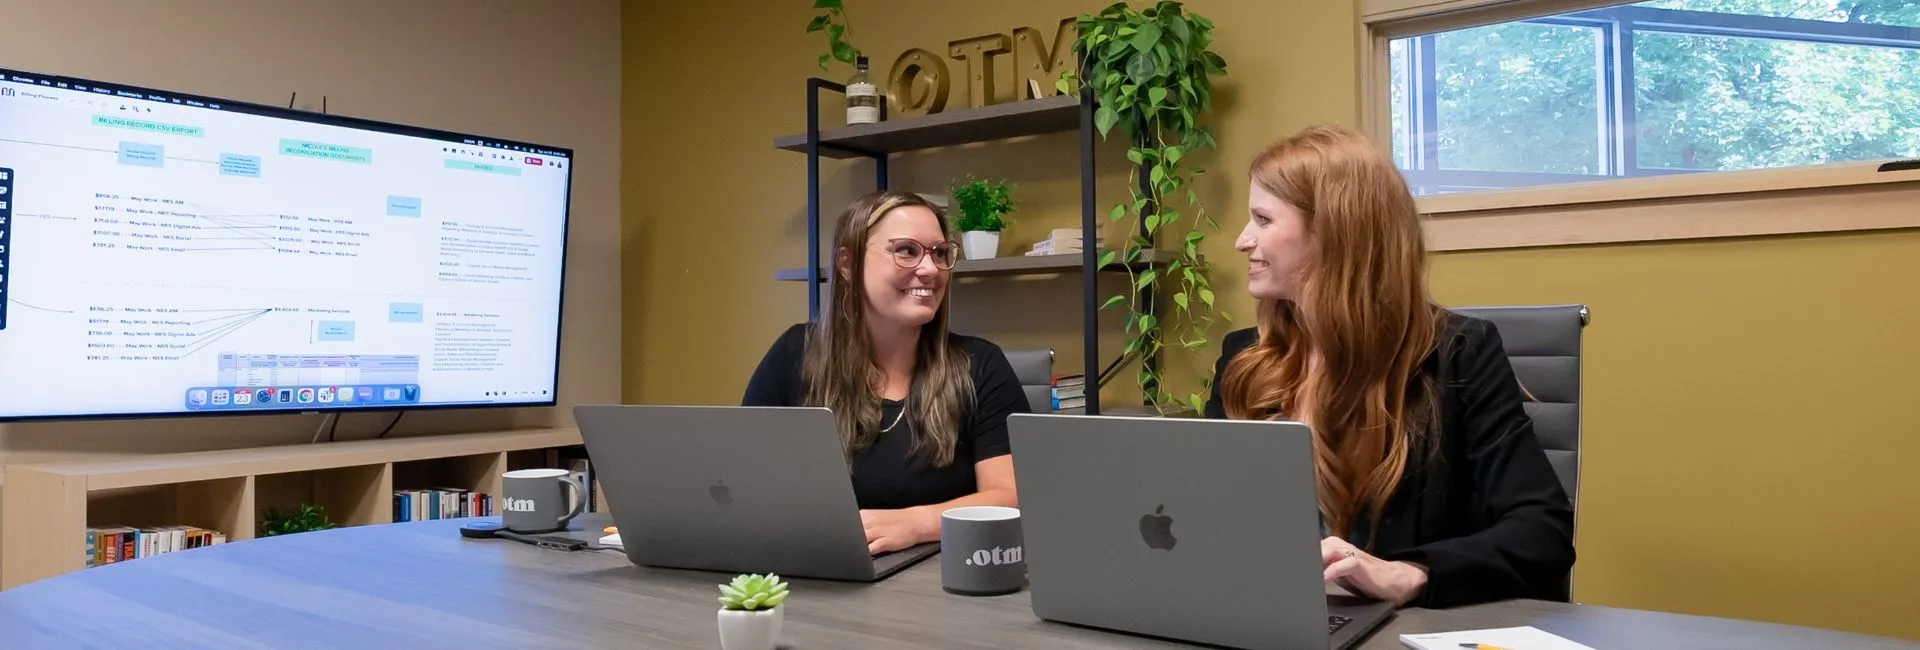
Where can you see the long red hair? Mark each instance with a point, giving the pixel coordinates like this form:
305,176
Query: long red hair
1344,355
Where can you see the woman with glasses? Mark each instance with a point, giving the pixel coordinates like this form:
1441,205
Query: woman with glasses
1433,489
922,412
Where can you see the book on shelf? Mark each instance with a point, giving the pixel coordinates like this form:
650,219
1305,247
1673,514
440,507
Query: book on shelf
1074,234
1061,241
1069,391
110,544
440,503
1050,248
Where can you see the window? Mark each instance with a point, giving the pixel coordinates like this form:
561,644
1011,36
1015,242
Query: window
1660,87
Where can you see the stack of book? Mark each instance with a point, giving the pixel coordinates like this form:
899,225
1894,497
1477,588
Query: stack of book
440,503
1061,241
1069,392
110,544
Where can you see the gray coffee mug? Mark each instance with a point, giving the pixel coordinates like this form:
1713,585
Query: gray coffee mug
982,551
536,500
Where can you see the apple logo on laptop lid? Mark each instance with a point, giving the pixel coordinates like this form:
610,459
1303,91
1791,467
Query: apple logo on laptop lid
1157,529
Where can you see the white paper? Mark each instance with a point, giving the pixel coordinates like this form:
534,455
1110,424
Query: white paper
1507,638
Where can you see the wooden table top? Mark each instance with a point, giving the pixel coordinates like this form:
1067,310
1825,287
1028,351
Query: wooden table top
420,585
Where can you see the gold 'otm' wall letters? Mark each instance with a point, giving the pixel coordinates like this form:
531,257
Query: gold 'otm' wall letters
919,82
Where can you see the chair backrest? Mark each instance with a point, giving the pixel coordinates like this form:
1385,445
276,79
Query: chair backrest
1543,344
1034,368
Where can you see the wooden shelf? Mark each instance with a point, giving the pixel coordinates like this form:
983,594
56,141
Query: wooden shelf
45,508
1015,265
205,465
984,124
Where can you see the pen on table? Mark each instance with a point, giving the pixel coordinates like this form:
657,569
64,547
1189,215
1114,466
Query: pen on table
1481,646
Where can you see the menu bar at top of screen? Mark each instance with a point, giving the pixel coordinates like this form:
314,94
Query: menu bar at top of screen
10,77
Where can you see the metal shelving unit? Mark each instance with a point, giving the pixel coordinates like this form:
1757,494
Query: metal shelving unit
981,124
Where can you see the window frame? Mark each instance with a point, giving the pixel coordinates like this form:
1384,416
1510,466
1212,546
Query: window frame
1539,215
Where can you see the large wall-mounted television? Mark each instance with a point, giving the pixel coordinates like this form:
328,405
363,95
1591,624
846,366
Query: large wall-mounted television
167,254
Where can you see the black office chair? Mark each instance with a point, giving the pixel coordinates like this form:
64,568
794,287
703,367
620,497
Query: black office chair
1034,368
1543,344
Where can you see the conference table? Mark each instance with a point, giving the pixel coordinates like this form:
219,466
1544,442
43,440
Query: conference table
421,585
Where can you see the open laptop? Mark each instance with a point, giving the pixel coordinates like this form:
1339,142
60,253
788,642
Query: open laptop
1203,531
733,489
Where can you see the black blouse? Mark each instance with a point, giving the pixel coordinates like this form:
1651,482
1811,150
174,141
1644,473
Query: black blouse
1486,514
886,475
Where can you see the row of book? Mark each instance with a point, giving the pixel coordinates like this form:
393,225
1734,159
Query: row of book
110,544
440,503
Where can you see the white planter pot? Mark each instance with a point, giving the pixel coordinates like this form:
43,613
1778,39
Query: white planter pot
756,630
980,245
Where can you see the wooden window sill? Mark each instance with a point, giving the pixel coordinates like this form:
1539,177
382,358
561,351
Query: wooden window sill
1825,198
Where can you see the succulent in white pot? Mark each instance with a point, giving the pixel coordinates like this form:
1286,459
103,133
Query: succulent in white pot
750,612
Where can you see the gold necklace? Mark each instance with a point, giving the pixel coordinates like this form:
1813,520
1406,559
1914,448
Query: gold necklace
896,418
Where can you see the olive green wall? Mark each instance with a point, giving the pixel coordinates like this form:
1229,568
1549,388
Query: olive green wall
1743,431
1750,427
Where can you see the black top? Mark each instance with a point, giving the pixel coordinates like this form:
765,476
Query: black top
886,475
1486,515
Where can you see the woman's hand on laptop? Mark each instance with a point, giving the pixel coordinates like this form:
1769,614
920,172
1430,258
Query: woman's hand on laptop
893,530
1363,574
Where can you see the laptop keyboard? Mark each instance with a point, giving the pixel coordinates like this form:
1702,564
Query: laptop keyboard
1335,622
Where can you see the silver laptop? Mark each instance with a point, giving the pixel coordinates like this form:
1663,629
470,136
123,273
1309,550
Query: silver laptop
1203,531
733,489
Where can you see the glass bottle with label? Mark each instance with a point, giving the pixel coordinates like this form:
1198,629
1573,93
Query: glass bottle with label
863,99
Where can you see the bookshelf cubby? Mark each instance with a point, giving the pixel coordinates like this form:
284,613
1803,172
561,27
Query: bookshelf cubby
355,495
477,473
532,459
445,488
216,504
45,509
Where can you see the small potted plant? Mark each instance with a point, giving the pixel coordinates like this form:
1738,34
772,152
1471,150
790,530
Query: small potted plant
750,612
983,207
307,517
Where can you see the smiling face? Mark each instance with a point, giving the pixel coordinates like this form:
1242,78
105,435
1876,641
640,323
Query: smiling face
911,295
1277,245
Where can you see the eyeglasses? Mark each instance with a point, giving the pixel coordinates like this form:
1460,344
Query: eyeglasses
908,252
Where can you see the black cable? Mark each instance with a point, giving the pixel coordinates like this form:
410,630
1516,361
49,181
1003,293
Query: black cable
396,420
333,426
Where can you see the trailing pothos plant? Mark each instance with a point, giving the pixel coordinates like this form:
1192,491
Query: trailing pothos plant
1149,70
833,21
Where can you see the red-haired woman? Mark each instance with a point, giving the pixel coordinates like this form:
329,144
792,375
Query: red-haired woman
1433,489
